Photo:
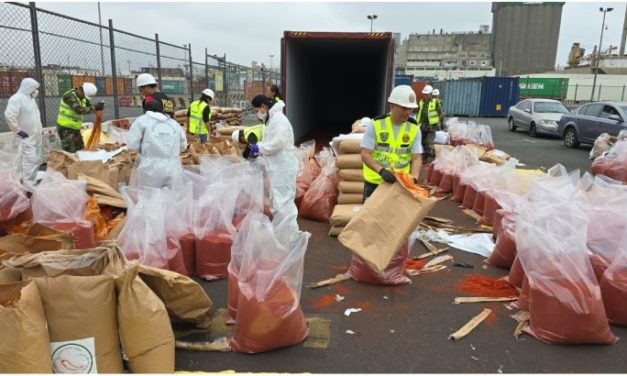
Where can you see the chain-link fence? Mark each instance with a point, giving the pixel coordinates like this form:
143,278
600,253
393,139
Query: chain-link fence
63,52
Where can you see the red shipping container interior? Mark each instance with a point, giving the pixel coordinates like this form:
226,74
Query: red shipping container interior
213,253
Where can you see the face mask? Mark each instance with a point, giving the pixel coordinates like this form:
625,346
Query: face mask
35,94
261,116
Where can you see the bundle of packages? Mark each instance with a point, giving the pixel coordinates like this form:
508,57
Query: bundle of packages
606,200
181,116
495,156
269,285
393,209
144,236
60,203
231,116
308,168
350,170
321,197
613,164
342,214
360,125
563,296
15,208
215,146
462,133
228,131
614,286
447,168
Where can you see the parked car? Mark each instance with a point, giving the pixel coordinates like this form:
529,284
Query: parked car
536,116
588,121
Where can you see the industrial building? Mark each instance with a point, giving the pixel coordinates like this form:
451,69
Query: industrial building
524,36
446,55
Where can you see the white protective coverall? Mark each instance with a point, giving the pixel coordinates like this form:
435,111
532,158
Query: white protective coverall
278,150
159,140
22,114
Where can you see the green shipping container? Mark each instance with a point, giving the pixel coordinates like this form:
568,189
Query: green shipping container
172,87
540,87
65,83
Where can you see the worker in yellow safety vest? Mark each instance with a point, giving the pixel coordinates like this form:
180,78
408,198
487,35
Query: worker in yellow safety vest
249,136
429,117
199,116
75,103
392,143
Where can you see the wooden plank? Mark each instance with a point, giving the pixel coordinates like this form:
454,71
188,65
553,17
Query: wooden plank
220,344
330,281
472,214
438,219
429,254
482,299
425,270
470,325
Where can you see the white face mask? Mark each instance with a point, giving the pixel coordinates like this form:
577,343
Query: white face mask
35,94
261,116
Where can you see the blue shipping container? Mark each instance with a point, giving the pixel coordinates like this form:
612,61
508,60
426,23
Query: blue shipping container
498,94
100,85
461,97
403,79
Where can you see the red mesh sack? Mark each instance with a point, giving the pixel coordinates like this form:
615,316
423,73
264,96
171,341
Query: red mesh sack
479,203
393,275
470,195
504,252
489,209
459,193
319,201
213,253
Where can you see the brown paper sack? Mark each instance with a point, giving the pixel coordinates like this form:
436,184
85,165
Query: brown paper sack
342,214
96,169
81,308
384,223
184,299
349,161
78,262
350,147
352,174
145,328
10,275
351,187
58,160
349,198
335,231
25,344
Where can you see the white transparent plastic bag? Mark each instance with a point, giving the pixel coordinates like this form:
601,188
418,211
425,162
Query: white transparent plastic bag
57,199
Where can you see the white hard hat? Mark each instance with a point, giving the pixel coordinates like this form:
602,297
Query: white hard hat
235,136
436,92
428,89
209,93
404,96
145,79
89,90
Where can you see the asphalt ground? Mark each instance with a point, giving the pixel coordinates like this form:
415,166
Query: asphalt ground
405,329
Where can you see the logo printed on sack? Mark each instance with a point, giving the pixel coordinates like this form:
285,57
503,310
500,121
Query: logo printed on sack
74,356
384,136
406,137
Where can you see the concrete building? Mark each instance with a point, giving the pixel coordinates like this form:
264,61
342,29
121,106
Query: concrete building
446,55
524,36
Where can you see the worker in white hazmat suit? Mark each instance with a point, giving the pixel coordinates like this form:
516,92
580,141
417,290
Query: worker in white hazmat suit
159,139
22,116
277,148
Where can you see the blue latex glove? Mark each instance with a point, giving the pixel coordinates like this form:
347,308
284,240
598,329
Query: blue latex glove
254,151
22,134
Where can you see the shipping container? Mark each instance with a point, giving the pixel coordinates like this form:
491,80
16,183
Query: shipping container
403,79
51,85
172,86
461,97
330,67
79,80
417,86
125,101
17,77
64,83
128,86
100,85
497,95
109,86
532,87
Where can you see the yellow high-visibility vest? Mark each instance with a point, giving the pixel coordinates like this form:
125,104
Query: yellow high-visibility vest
67,118
196,121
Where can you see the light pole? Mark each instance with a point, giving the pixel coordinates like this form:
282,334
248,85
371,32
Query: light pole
596,63
271,79
372,18
101,46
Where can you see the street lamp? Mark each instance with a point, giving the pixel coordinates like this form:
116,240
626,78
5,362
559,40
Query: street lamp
596,63
372,18
271,79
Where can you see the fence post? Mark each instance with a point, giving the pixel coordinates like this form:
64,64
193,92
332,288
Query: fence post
576,87
225,82
622,97
114,75
38,71
206,69
191,73
158,61
599,94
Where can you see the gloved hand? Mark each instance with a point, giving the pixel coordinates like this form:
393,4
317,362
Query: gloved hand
387,175
99,106
254,151
22,134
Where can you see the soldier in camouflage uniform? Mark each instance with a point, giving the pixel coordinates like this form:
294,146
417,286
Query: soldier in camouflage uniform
429,116
74,105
